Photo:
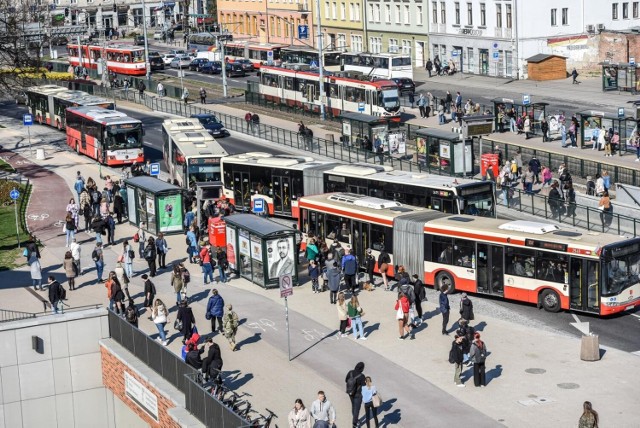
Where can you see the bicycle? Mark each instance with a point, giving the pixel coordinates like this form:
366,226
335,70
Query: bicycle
264,421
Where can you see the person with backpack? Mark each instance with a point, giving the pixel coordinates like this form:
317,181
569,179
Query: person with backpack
230,324
97,256
355,380
111,229
150,253
177,283
383,264
402,315
466,308
98,225
223,264
478,355
456,357
350,269
131,313
128,254
215,311
56,295
207,263
162,249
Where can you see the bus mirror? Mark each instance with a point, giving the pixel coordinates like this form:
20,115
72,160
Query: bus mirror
143,131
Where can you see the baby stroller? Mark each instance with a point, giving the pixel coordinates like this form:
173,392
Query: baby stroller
591,186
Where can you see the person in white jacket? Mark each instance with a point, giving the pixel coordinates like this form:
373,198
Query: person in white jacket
322,410
76,251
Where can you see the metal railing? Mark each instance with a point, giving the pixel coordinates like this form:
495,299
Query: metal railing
7,315
174,370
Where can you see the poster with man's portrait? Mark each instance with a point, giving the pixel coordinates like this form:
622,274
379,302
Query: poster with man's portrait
280,259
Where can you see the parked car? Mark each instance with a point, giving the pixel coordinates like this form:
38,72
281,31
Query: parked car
156,63
246,64
405,85
235,70
139,41
159,35
212,124
211,67
59,40
167,58
154,53
180,61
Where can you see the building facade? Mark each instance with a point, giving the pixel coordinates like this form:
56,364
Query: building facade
398,27
343,25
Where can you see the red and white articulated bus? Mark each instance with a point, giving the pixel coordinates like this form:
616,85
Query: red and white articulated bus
48,103
110,137
302,88
555,268
258,53
121,59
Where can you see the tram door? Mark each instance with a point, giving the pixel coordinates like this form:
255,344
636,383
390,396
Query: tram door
490,269
241,190
281,195
584,283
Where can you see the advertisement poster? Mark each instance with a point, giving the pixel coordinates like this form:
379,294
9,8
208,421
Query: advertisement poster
231,247
243,242
445,150
256,249
131,206
397,142
380,132
280,257
170,213
150,205
421,150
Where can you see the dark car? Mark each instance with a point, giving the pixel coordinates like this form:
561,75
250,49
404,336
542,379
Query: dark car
211,67
405,85
156,63
177,27
59,40
212,124
234,70
139,41
197,63
246,64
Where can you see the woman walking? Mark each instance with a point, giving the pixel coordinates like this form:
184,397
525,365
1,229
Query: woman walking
368,392
116,295
343,317
589,418
73,208
299,416
354,310
162,249
70,228
185,315
159,315
36,270
177,282
605,208
150,256
128,254
70,270
402,315
478,356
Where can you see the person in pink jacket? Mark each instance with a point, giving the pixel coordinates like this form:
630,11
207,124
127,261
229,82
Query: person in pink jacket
402,315
547,175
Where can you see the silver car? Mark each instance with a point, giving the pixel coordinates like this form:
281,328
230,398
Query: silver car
180,61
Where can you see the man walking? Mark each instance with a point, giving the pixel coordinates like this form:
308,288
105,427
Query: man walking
350,269
444,308
55,295
247,120
355,380
422,102
203,96
323,412
429,66
215,311
79,184
75,254
230,324
141,88
255,123
98,258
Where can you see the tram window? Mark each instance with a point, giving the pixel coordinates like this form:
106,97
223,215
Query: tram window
288,83
333,90
381,236
520,262
297,190
354,94
463,253
334,224
551,267
442,250
270,80
228,178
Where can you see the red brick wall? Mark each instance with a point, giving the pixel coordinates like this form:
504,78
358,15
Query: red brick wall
613,46
113,378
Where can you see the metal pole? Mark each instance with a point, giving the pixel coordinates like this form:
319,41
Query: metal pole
224,69
15,206
29,136
146,43
286,314
320,62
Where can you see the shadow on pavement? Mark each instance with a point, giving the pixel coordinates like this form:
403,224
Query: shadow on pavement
238,383
369,329
330,335
494,373
251,339
389,419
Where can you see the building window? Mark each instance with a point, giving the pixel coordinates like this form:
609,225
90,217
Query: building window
407,15
341,41
334,10
419,15
483,14
357,15
554,17
398,20
443,12
499,15
508,15
456,6
343,11
376,13
352,12
469,14
635,9
614,11
625,10
393,45
387,13
434,13
565,16
326,9
406,47
375,44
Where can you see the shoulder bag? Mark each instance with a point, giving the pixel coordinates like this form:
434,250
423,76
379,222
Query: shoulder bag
377,400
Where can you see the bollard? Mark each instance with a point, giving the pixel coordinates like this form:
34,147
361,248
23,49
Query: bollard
40,154
590,348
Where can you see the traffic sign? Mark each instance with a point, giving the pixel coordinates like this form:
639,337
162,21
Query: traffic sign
258,206
632,61
495,55
154,169
360,107
286,285
314,64
454,53
303,31
27,119
526,100
620,112
14,194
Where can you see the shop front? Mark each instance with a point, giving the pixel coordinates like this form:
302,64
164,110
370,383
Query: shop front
261,250
154,205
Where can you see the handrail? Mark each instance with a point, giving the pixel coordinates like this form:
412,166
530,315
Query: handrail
8,315
618,188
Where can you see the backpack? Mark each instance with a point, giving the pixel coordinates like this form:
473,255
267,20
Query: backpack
188,241
63,293
131,254
186,277
95,197
94,256
131,315
452,356
352,384
148,253
136,237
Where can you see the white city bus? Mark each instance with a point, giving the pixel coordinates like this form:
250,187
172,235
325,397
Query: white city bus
380,65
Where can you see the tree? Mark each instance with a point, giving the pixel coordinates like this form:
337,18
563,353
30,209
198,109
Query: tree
20,64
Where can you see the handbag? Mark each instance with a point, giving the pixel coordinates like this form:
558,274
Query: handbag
25,252
377,400
399,313
360,312
177,325
348,322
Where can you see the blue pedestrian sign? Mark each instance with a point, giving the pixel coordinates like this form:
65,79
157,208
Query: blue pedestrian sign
27,120
526,100
154,169
14,194
360,107
495,55
258,206
314,64
303,31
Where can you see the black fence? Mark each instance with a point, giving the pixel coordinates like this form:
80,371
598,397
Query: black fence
174,370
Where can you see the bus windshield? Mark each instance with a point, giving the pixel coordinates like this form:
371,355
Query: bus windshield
389,98
477,199
622,269
120,137
204,172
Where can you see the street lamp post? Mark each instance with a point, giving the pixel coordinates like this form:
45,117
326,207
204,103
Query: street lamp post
221,41
320,62
146,42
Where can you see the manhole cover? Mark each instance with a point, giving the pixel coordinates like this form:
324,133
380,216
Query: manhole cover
535,371
568,385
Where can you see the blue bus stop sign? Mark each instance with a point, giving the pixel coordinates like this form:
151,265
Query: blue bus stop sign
27,120
360,107
14,194
258,206
154,169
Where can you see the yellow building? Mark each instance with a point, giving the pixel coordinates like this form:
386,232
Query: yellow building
343,25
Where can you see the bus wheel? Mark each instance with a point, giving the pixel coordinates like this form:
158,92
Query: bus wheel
442,279
550,301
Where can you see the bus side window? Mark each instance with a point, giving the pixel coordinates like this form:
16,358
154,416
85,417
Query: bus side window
381,236
442,250
463,253
551,267
520,262
334,223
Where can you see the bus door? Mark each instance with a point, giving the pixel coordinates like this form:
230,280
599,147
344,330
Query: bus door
359,240
584,284
490,269
281,194
241,190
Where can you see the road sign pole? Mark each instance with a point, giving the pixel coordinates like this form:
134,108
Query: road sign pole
15,205
286,316
29,139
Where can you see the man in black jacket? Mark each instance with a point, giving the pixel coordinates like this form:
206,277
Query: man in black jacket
212,364
419,291
456,356
55,295
193,356
355,380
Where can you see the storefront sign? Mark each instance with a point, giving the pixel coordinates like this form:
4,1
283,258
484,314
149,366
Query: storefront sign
470,32
140,395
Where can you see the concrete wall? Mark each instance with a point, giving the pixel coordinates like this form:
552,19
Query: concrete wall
60,386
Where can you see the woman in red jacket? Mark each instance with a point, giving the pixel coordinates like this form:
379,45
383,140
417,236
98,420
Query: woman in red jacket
402,315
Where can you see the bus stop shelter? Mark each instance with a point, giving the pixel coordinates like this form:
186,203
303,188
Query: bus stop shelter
154,205
591,120
619,77
535,111
357,126
261,250
444,151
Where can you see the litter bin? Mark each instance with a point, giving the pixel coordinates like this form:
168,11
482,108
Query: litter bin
40,154
489,160
590,348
